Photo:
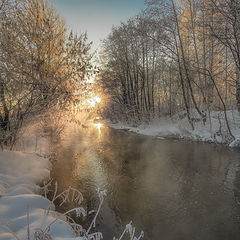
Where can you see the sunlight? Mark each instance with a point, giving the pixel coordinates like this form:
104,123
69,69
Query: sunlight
98,126
94,100
98,99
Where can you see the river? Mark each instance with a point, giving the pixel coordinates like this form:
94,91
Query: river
170,189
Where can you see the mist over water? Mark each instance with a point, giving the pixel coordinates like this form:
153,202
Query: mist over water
169,189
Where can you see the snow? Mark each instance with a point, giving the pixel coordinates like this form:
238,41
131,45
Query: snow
179,127
236,142
20,174
22,208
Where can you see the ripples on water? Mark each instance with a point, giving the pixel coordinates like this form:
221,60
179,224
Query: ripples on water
172,190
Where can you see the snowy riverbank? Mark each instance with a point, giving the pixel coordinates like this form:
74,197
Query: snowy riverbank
19,175
214,130
27,215
23,211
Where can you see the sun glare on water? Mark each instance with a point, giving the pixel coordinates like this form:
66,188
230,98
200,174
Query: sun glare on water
98,126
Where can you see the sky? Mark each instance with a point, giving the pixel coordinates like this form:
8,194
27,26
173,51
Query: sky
97,16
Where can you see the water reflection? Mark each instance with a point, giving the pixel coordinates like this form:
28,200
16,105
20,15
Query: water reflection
170,189
98,126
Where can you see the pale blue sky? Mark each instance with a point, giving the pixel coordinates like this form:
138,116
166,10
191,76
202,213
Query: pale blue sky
97,16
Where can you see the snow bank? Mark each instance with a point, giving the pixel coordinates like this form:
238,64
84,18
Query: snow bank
235,143
20,206
179,127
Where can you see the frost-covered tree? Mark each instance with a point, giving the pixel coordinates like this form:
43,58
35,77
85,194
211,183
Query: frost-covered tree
176,55
41,67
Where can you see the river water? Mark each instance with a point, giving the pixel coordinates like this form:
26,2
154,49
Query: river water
170,189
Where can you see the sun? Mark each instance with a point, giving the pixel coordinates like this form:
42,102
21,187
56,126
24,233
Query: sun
94,100
98,99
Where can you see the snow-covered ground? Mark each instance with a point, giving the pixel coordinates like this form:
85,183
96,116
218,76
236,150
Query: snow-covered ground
179,127
23,211
21,208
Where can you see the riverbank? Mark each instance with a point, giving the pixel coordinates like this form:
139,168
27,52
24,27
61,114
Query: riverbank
23,210
214,130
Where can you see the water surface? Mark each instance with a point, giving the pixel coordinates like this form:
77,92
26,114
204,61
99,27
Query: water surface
171,189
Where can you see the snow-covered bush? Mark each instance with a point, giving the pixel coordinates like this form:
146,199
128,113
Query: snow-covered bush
73,195
46,229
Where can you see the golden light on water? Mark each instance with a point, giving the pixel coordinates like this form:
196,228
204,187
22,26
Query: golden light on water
98,126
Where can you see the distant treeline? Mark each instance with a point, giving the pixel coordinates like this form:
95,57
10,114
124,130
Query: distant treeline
173,56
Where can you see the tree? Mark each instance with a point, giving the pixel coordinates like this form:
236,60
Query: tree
175,55
40,66
228,33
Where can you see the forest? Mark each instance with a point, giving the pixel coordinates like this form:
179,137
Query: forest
174,56
138,139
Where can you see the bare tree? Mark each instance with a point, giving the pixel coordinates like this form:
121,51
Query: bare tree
40,66
228,33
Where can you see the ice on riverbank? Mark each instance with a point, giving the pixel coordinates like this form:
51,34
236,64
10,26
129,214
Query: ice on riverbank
214,130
